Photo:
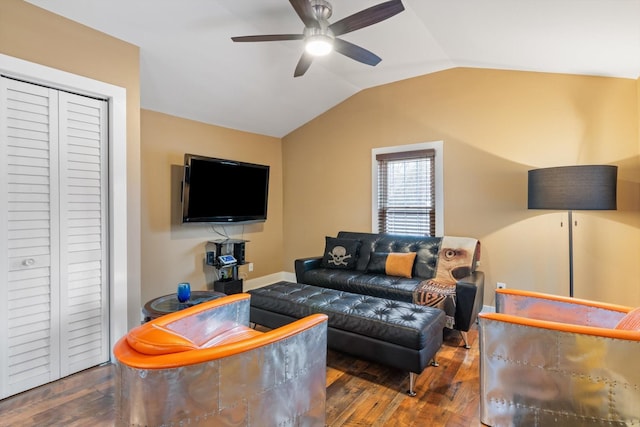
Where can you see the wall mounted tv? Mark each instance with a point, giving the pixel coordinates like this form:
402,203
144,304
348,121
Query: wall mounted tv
223,191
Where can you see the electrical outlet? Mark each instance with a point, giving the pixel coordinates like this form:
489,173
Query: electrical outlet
250,266
501,285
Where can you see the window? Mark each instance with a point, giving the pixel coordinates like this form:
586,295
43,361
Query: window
407,189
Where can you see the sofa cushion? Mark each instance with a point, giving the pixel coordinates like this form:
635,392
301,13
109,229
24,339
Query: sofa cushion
340,253
392,263
426,248
354,281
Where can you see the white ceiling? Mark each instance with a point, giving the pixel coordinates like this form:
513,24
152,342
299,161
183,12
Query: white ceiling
190,67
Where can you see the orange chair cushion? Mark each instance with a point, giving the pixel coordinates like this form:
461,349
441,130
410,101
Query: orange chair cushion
154,339
630,322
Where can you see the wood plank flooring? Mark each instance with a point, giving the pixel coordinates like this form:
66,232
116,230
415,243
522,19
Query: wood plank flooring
359,394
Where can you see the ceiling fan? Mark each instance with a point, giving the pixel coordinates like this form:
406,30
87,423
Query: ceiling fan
321,37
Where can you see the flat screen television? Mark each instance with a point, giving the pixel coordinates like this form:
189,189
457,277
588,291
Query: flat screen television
222,191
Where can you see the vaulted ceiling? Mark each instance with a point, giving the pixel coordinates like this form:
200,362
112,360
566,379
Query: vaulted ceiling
191,68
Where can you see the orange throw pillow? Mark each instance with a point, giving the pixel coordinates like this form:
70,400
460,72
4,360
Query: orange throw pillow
400,264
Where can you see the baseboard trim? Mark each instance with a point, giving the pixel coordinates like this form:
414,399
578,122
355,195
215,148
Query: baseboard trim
259,282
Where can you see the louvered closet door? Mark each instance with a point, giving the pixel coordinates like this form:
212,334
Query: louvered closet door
83,233
53,236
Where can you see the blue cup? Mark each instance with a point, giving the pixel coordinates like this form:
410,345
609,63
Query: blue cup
184,292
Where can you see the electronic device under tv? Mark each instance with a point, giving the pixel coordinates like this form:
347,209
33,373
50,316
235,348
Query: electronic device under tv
222,191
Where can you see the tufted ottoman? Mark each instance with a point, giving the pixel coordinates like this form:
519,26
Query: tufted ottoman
399,334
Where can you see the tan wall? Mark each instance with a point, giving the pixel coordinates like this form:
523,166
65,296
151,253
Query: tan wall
496,125
173,252
33,34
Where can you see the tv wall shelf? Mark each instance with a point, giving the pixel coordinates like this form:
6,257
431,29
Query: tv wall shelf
225,255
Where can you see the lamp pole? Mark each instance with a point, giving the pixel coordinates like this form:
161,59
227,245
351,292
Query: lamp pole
570,253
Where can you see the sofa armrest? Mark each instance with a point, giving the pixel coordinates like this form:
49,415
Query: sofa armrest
305,264
469,300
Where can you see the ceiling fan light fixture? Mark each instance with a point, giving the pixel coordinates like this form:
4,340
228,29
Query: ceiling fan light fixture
321,37
319,45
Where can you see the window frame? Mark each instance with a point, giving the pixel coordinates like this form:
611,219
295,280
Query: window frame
438,147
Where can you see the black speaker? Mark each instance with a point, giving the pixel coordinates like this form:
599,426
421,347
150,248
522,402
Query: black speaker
238,252
228,286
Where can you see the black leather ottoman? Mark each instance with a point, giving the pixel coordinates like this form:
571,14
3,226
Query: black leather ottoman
399,334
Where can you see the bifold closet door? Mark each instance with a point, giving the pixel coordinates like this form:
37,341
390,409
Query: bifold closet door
53,235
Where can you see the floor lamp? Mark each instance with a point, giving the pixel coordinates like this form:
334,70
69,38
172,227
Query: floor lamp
585,187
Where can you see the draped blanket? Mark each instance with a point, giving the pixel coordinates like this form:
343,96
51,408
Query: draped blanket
456,259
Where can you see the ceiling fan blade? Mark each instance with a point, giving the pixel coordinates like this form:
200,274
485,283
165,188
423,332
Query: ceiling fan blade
356,52
268,38
367,17
303,64
305,12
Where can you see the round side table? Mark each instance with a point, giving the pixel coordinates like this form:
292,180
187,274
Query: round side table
169,303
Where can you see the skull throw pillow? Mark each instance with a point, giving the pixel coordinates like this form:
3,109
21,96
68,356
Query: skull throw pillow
341,253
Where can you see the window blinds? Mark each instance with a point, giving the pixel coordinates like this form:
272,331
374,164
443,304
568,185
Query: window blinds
406,192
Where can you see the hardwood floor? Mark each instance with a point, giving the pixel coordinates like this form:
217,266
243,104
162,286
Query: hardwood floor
359,393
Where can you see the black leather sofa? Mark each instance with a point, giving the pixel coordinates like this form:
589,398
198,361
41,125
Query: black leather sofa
469,290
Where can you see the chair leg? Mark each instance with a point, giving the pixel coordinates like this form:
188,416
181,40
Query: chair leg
465,339
412,383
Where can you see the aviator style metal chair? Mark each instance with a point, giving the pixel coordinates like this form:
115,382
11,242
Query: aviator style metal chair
548,360
206,366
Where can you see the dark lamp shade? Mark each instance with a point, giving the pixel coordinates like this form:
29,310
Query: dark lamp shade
584,187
